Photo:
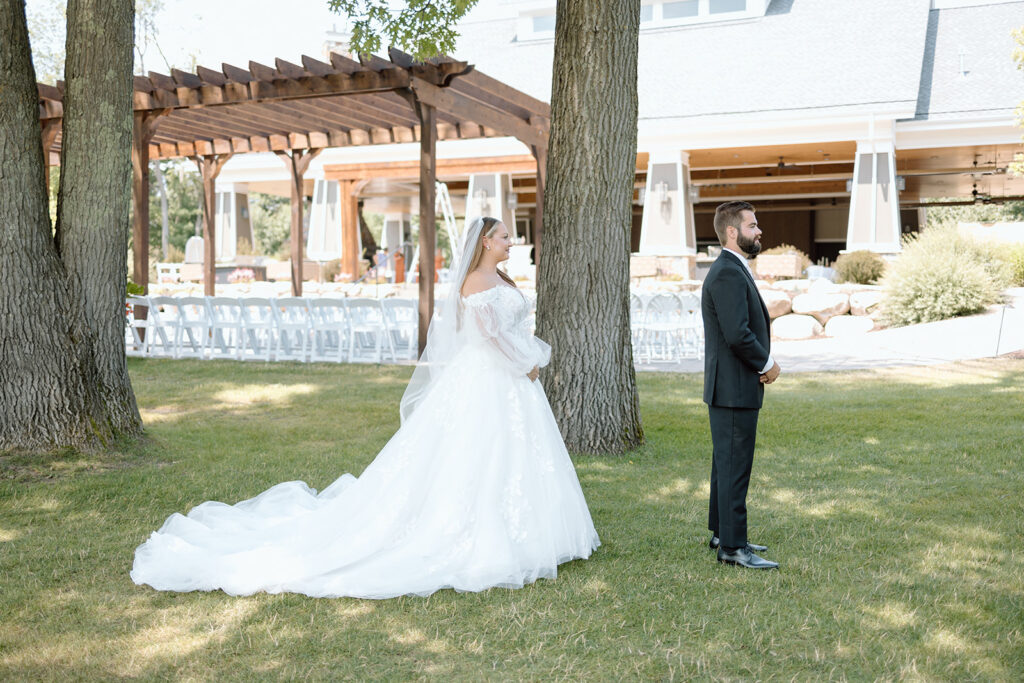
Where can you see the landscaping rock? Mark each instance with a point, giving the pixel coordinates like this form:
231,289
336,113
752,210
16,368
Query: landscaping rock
794,326
847,325
777,302
823,286
866,302
821,306
792,286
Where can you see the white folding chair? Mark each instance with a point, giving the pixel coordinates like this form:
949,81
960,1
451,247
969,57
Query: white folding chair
402,319
663,327
192,330
259,326
331,333
227,337
692,325
367,330
294,330
144,333
161,327
636,326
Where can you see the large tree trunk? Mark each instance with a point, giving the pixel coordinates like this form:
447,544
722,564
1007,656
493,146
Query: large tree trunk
95,193
48,380
583,283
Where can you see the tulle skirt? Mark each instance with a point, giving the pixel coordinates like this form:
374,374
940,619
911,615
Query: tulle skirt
476,490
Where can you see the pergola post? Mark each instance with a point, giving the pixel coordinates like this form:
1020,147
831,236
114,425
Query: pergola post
297,162
50,129
210,166
428,178
541,155
143,124
349,214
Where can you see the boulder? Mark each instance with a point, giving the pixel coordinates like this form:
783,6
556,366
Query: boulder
794,326
847,325
821,306
823,286
777,302
792,286
865,302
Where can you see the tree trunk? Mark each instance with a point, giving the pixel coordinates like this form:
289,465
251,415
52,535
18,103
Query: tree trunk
93,206
48,380
583,283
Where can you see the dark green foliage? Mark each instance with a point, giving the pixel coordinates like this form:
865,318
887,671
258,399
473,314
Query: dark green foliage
184,203
423,28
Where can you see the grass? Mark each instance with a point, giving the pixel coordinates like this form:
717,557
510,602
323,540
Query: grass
891,498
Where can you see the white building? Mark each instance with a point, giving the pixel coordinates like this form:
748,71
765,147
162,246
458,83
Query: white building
837,118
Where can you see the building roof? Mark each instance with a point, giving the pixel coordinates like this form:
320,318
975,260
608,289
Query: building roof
895,57
968,69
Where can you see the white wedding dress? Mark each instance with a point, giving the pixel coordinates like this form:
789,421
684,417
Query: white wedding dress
475,490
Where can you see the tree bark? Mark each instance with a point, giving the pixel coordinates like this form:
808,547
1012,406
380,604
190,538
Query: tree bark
93,205
583,280
48,377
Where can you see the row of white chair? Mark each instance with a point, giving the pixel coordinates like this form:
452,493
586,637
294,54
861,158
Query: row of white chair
289,328
666,327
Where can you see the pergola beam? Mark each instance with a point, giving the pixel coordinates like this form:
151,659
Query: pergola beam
466,109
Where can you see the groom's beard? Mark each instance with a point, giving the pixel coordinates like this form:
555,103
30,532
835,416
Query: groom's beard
749,245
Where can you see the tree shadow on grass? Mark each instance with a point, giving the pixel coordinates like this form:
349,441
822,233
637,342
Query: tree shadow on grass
891,499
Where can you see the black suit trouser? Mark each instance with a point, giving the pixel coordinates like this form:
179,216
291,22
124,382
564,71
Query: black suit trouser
733,431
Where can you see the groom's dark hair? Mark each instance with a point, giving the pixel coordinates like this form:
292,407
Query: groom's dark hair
730,213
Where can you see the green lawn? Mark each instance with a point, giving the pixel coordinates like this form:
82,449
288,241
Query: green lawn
893,500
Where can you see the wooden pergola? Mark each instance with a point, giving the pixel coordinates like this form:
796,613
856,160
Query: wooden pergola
296,111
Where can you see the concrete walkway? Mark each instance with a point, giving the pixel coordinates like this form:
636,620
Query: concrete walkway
998,331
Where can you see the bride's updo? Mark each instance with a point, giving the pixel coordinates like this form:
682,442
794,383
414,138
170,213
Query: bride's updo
490,226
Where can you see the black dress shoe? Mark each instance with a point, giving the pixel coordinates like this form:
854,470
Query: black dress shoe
744,558
752,547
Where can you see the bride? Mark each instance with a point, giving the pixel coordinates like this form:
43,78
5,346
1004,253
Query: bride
475,490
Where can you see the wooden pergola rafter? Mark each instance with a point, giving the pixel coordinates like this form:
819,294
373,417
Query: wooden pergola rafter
296,110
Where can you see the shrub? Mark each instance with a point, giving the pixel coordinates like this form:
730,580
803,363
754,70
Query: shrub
862,267
331,270
805,260
1014,258
174,254
940,275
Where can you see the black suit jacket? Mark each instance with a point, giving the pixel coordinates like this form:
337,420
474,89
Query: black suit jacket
737,335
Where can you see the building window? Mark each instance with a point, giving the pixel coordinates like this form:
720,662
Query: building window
544,23
646,13
720,6
680,9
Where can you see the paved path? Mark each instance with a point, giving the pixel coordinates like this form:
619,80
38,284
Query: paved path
945,341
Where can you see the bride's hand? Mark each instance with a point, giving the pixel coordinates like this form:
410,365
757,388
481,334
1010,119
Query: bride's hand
533,374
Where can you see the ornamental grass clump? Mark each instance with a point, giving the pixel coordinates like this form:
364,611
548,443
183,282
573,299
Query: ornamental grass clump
861,267
941,274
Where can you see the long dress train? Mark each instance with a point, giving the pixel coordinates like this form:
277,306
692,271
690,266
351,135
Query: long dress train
475,490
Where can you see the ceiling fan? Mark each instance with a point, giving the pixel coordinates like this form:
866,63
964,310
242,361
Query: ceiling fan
980,197
780,166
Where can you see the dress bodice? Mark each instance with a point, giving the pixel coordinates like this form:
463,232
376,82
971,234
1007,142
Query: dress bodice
500,318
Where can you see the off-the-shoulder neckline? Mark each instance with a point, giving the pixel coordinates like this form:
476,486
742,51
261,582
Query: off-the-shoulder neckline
467,297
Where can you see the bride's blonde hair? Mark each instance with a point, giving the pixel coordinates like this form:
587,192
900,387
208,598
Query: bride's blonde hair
489,228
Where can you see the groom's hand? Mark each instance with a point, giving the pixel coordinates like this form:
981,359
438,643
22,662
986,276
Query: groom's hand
534,374
771,375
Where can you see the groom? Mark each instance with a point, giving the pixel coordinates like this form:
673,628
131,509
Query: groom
737,365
